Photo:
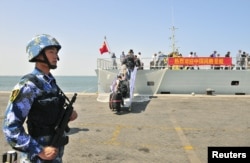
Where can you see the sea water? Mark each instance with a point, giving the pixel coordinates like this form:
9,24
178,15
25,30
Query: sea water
78,84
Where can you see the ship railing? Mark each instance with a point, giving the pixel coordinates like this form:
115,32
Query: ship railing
107,63
148,64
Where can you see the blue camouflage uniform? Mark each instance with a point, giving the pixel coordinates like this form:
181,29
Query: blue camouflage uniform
17,111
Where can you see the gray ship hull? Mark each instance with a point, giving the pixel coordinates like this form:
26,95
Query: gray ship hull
165,81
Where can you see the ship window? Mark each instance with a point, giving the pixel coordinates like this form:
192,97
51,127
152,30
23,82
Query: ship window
150,83
165,92
235,83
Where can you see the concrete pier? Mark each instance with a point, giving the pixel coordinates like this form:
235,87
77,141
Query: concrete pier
168,128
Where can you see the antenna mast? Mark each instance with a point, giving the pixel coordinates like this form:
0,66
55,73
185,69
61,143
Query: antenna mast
172,38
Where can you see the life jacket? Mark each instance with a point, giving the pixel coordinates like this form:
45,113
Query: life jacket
46,110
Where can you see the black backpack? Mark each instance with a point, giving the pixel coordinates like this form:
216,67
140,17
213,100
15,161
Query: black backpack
130,62
123,88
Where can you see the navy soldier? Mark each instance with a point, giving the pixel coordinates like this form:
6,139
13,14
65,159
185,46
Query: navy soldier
38,100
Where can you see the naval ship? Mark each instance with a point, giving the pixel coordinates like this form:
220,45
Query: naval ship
182,75
231,81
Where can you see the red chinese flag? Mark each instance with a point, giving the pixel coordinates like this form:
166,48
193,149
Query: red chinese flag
104,48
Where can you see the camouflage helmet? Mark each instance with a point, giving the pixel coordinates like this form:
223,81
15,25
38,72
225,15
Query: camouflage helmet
38,43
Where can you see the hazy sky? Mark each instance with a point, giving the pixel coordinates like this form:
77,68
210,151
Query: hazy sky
141,25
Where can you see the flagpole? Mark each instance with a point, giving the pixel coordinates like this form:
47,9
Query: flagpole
105,38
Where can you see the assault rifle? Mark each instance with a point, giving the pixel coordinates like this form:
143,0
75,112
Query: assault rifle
58,139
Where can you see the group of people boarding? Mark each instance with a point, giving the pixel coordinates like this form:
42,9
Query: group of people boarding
121,86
